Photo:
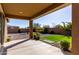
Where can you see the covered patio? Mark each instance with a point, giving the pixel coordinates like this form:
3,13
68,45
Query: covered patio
32,11
32,47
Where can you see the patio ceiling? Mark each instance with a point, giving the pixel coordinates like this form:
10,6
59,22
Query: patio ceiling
28,11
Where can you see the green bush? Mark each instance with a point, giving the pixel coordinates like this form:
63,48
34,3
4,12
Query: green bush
65,45
36,35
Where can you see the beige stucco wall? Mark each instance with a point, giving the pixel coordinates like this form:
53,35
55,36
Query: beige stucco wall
5,33
1,10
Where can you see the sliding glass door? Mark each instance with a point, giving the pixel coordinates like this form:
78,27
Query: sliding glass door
1,29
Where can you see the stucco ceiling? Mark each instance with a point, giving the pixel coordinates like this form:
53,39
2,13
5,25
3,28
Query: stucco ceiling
27,10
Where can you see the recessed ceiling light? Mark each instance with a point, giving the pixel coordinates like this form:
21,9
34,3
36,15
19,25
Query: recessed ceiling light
21,12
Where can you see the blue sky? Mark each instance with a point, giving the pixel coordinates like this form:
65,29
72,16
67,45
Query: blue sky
52,19
18,22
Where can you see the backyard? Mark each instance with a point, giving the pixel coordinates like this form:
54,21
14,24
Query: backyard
56,38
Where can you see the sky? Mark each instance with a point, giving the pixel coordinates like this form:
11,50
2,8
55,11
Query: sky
52,19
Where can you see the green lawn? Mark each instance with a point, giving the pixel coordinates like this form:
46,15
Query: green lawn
58,38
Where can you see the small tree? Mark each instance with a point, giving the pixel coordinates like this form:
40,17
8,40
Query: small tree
59,26
36,26
46,27
66,27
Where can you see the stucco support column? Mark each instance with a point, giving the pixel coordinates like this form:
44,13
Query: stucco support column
75,28
5,30
31,28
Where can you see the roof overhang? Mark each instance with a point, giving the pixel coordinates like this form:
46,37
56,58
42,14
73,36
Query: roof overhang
30,11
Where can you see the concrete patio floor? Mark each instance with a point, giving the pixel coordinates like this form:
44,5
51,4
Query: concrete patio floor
32,47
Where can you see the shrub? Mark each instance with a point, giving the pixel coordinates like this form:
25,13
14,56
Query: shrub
36,35
45,31
9,38
51,32
68,33
65,45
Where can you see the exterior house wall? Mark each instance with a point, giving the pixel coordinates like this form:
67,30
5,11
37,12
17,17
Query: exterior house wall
1,10
5,33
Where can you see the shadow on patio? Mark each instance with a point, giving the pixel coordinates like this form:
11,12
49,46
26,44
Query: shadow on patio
5,48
